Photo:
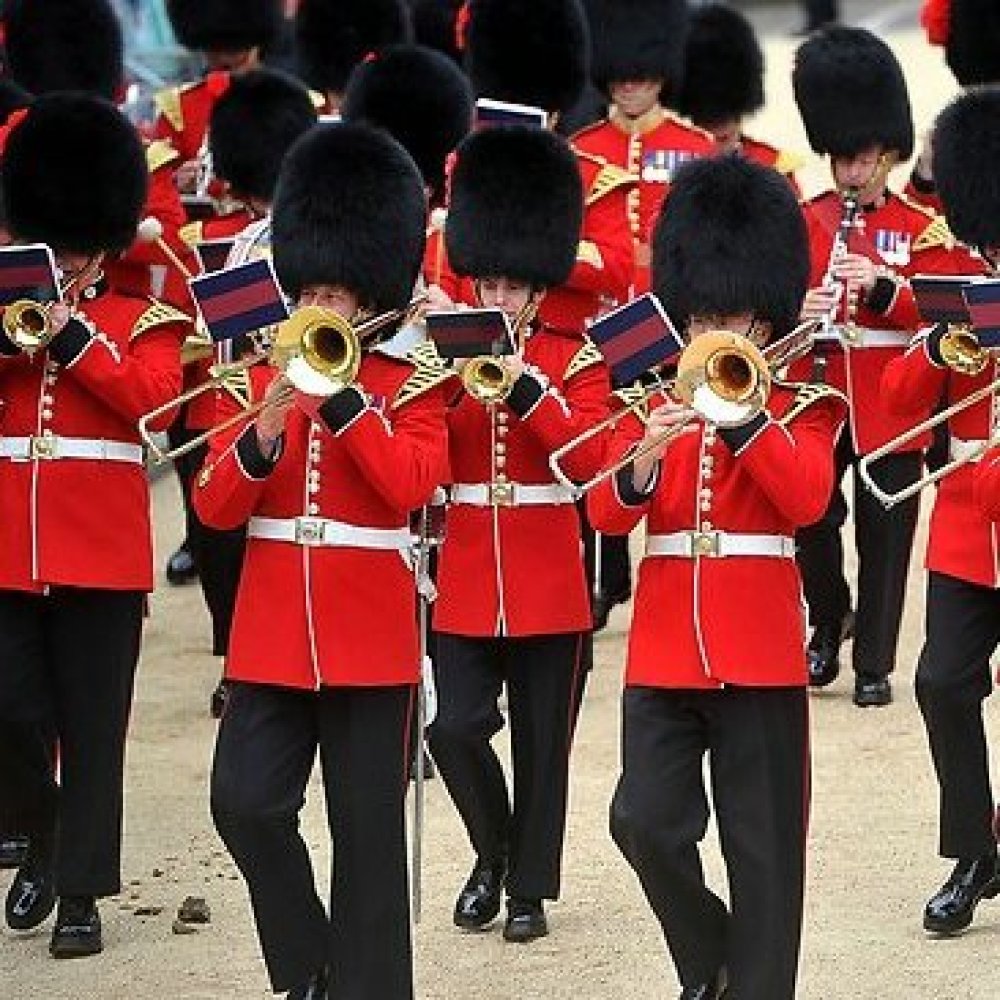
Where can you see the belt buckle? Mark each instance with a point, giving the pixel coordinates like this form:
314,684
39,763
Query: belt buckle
851,334
42,447
706,543
501,494
308,531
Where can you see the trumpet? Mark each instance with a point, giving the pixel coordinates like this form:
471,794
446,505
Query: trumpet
723,377
318,351
28,324
487,379
890,499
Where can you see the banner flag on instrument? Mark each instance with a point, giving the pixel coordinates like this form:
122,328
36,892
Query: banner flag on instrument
983,300
939,297
470,333
28,273
213,254
490,113
239,300
634,338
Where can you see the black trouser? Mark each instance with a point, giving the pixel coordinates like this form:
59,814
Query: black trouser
218,554
265,752
884,541
69,659
28,791
757,745
953,679
541,674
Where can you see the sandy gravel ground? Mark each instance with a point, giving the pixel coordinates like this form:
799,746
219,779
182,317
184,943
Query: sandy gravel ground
872,849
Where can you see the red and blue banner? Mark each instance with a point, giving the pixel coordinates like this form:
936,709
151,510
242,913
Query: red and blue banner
635,338
239,300
28,272
983,300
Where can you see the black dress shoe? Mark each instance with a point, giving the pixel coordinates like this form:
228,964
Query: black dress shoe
181,567
872,692
315,989
479,901
77,932
951,908
525,920
13,851
602,604
32,894
716,989
823,651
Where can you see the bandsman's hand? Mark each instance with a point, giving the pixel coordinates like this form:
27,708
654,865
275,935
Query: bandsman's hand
823,300
856,270
59,315
437,300
186,177
278,400
666,422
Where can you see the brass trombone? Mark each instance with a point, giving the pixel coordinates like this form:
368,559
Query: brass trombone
487,379
318,351
723,377
889,499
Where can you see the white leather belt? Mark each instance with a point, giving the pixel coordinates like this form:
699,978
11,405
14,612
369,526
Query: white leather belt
719,544
54,446
322,531
966,451
510,494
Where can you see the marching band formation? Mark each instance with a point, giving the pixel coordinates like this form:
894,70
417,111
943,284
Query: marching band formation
416,178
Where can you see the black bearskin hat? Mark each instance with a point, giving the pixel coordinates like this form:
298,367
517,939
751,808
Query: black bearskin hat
723,67
12,97
731,239
638,40
333,36
86,203
973,48
966,158
851,93
350,210
64,45
421,98
435,24
516,206
225,25
528,51
253,125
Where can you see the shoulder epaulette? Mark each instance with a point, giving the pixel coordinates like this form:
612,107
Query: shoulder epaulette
787,162
429,371
609,178
588,252
159,153
634,397
807,393
937,233
238,384
586,357
192,233
586,130
157,314
168,103
672,116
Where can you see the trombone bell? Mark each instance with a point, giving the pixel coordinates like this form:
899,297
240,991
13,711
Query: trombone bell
488,380
318,350
962,352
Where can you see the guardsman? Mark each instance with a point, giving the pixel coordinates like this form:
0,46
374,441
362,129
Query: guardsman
230,35
513,229
638,52
963,587
76,552
864,241
324,652
723,84
716,659
333,36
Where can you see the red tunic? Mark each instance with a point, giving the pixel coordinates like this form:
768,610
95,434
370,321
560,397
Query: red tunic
705,621
962,540
770,156
648,150
518,570
336,616
184,113
85,522
908,240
